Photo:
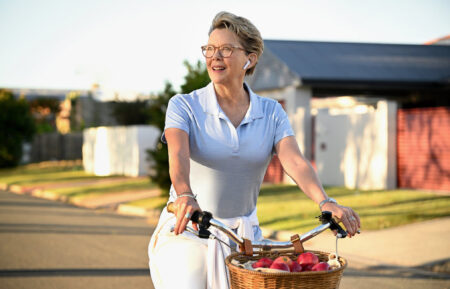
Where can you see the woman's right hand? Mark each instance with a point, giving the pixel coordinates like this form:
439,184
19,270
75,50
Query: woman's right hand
184,206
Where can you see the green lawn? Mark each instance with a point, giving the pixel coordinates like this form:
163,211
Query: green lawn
45,172
51,173
286,208
156,203
280,207
89,191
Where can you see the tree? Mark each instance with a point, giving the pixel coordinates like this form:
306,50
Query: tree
16,125
196,78
44,111
158,157
131,112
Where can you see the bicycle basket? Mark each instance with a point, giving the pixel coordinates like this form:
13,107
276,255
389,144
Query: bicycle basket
241,278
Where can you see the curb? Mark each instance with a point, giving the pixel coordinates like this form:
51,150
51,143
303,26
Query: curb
129,210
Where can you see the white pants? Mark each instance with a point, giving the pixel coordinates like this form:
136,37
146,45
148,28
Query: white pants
185,261
179,262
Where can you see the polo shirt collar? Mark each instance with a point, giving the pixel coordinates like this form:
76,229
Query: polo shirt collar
211,105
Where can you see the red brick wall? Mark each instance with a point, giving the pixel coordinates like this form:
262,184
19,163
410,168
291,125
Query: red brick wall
423,148
274,173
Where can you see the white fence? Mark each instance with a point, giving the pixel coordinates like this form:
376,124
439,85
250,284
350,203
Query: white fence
357,148
120,150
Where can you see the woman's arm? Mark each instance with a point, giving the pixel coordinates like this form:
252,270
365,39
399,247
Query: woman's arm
178,146
301,171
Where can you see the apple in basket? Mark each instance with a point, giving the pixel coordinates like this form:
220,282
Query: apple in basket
293,266
280,266
322,266
296,267
284,259
263,263
307,260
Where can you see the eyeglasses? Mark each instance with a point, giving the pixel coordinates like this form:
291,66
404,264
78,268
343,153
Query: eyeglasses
224,50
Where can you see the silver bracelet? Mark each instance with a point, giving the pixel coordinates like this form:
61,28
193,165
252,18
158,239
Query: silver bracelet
187,194
327,200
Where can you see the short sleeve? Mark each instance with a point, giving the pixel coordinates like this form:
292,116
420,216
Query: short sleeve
177,115
282,126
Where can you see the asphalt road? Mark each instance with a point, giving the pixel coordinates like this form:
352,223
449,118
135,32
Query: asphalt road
46,244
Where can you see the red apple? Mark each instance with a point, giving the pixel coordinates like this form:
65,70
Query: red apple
263,262
295,267
322,266
284,259
280,266
307,267
307,258
258,264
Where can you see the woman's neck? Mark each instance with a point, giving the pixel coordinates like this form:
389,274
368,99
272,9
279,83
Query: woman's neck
231,95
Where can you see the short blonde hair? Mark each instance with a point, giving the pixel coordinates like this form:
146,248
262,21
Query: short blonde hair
248,34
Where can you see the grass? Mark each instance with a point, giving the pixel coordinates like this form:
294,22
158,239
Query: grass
72,173
286,208
280,207
155,203
90,191
46,172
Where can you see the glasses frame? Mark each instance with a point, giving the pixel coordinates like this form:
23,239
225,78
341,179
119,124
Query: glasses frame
219,48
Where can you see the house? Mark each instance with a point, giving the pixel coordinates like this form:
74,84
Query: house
369,116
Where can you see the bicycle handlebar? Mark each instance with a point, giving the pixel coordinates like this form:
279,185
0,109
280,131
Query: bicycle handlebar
205,220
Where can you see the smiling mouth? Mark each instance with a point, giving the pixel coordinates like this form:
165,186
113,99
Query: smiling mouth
218,68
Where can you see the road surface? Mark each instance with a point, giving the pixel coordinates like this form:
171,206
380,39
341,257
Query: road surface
46,244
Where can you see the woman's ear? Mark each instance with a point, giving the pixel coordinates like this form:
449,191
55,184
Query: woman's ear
253,59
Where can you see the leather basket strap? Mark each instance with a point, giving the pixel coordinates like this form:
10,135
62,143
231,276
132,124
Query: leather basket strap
247,248
298,246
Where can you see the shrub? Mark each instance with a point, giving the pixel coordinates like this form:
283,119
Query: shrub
131,112
159,157
197,77
16,126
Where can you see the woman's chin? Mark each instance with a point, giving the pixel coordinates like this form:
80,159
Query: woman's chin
218,80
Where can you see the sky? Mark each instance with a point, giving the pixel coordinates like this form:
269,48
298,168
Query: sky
136,46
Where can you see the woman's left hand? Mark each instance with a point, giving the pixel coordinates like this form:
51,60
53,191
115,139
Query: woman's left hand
346,215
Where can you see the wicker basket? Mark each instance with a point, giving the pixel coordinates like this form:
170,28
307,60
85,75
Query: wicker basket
245,279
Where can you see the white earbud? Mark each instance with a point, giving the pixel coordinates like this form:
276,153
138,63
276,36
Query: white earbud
247,64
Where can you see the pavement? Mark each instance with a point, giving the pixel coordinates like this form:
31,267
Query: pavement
54,245
420,248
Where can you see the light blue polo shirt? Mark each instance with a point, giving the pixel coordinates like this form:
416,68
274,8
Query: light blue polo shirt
227,164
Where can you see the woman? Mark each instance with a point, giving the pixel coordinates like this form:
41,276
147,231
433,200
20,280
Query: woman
220,140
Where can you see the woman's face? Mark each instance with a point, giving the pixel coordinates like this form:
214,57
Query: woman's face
226,70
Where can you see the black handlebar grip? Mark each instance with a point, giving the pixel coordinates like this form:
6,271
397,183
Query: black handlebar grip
326,217
195,217
202,218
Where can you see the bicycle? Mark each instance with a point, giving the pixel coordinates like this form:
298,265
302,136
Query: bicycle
254,250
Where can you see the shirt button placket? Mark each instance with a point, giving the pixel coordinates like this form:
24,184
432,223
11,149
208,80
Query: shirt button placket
234,138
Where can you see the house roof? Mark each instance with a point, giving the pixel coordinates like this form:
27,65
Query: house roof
445,40
334,63
31,93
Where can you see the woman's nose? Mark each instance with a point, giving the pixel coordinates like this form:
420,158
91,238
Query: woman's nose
217,54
